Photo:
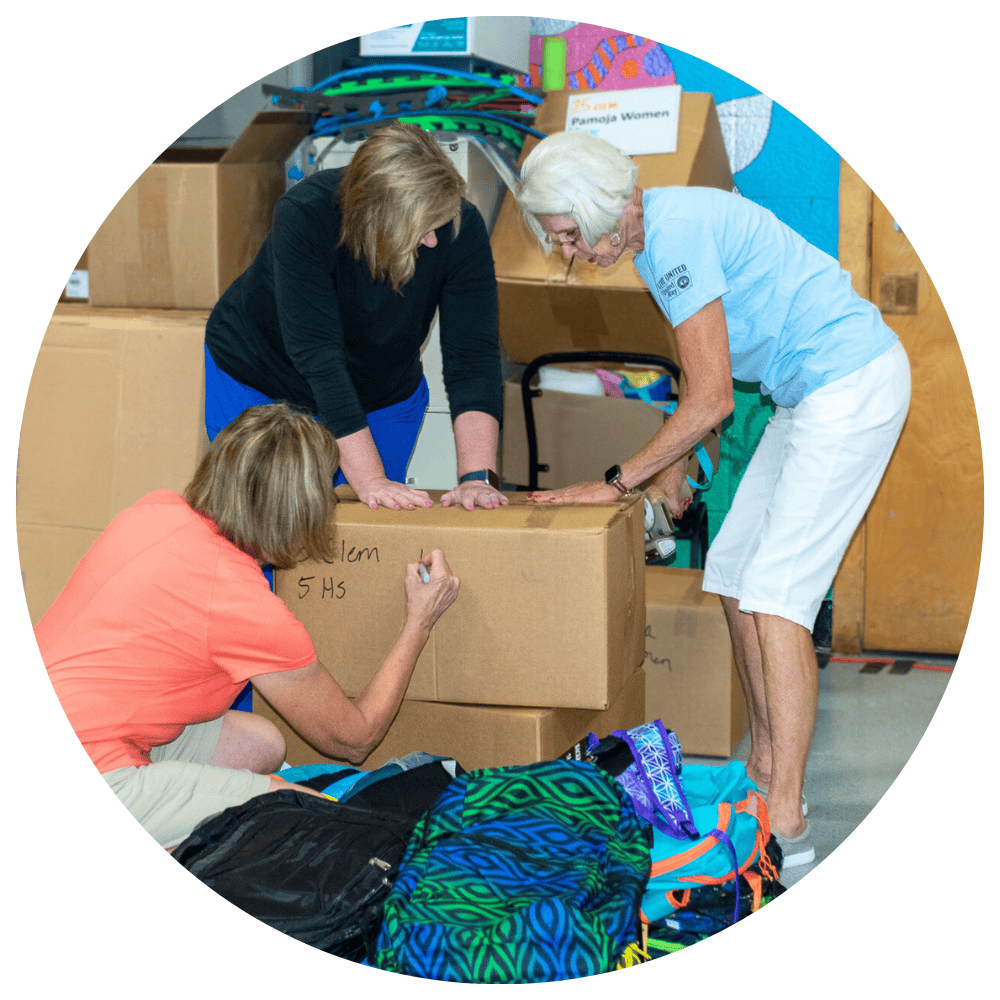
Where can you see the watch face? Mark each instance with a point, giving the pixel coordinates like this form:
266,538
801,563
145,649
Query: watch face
613,473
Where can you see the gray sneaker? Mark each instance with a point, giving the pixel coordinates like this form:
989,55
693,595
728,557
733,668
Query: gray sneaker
798,850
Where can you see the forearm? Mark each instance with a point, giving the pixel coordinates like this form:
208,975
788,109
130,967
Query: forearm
477,437
376,706
690,422
359,459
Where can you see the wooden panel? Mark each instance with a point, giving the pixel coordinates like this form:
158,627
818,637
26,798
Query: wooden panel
855,258
925,526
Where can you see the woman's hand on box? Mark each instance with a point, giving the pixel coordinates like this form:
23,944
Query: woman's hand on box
384,492
472,494
428,599
580,493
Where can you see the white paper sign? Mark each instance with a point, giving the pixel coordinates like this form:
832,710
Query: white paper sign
643,120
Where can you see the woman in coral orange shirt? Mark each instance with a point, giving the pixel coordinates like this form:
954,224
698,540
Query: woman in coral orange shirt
168,616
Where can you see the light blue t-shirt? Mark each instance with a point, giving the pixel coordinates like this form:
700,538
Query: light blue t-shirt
795,323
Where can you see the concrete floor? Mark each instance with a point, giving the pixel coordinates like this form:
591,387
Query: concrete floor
867,726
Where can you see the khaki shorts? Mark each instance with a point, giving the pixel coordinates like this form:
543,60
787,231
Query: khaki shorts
179,789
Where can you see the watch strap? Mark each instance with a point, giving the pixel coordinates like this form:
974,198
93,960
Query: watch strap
613,477
481,475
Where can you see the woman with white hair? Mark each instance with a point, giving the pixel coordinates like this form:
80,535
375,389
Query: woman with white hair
748,299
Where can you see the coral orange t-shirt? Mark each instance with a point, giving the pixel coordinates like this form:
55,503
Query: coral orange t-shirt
161,625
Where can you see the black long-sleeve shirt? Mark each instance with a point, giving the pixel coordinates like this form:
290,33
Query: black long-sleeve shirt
307,323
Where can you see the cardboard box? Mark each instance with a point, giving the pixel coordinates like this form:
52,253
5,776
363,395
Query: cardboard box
691,679
114,410
482,735
194,220
77,288
48,554
548,303
550,612
578,436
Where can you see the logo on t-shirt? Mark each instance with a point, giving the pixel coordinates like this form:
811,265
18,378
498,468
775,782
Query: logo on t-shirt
674,282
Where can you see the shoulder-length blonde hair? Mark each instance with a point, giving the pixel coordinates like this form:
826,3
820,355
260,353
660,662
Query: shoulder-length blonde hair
267,484
578,175
398,187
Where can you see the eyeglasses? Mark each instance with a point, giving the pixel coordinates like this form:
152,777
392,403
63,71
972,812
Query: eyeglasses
567,239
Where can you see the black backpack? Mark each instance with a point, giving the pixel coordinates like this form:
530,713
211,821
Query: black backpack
316,869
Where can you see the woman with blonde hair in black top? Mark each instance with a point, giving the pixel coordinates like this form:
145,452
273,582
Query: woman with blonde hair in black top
332,313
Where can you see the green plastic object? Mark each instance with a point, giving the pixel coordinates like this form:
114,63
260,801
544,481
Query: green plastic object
554,63
411,82
460,123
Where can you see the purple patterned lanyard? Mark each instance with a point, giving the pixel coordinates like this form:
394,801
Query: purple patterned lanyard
653,781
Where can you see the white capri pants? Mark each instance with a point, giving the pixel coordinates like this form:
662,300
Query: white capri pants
805,490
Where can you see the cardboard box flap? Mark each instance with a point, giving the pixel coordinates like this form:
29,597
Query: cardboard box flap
519,514
270,137
191,155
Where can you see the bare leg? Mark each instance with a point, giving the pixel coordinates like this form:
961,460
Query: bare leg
746,651
791,681
249,742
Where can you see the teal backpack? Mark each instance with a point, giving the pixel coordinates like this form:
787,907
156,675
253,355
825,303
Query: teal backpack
733,832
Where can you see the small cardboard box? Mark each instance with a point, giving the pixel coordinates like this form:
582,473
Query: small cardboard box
482,735
115,410
691,679
548,303
194,220
579,436
551,609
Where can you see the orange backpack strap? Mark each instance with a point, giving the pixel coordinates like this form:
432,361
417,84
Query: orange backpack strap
756,884
676,861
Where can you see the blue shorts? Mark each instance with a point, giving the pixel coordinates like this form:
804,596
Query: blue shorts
394,428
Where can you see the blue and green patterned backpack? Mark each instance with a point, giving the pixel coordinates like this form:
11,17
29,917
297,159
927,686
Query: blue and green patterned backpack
521,874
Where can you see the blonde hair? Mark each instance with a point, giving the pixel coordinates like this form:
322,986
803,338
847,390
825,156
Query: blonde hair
578,175
398,187
267,484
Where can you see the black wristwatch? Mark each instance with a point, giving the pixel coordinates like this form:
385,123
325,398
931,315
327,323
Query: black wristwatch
481,475
613,477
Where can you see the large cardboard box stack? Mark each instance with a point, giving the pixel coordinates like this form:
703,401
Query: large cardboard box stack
544,643
194,220
691,678
115,410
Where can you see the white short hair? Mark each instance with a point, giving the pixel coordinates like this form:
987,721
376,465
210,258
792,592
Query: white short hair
578,175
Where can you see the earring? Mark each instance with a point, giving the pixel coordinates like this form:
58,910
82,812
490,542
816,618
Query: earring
616,234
